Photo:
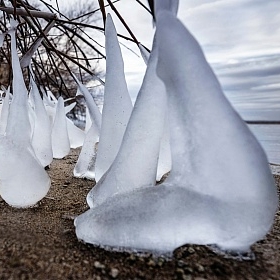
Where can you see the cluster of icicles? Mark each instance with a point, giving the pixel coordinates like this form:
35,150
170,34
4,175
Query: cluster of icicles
220,189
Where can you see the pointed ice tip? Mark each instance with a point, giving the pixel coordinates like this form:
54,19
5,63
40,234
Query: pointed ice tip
109,26
13,23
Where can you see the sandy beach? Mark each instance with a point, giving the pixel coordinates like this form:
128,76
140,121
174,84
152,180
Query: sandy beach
40,243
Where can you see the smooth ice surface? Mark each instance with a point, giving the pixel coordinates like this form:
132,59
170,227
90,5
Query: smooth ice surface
85,166
18,125
117,103
23,181
41,137
144,53
76,135
220,189
60,138
50,103
88,120
164,160
166,5
5,113
135,165
95,114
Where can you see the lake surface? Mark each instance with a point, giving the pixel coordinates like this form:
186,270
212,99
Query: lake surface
269,138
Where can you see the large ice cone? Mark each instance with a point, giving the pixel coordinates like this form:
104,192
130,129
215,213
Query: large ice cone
220,190
117,103
135,165
23,180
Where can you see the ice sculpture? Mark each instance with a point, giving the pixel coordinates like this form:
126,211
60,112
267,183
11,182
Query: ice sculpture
117,103
220,190
23,180
41,137
85,166
135,165
60,138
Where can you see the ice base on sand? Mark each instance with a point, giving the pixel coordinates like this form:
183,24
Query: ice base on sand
220,190
23,181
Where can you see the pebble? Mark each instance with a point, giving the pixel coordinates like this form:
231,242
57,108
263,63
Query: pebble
114,272
200,268
99,265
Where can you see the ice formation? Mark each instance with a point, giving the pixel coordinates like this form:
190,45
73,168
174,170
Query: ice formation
60,138
85,166
220,189
135,165
164,160
41,137
144,53
5,112
117,103
94,112
76,135
23,180
18,125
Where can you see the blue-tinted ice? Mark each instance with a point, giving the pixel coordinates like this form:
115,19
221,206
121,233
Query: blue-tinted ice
220,189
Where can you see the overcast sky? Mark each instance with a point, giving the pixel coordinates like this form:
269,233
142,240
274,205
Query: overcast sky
241,41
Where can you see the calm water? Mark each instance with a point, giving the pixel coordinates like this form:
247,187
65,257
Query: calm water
269,137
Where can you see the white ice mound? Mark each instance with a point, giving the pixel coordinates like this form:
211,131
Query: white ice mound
220,189
117,103
136,162
60,138
23,181
41,138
